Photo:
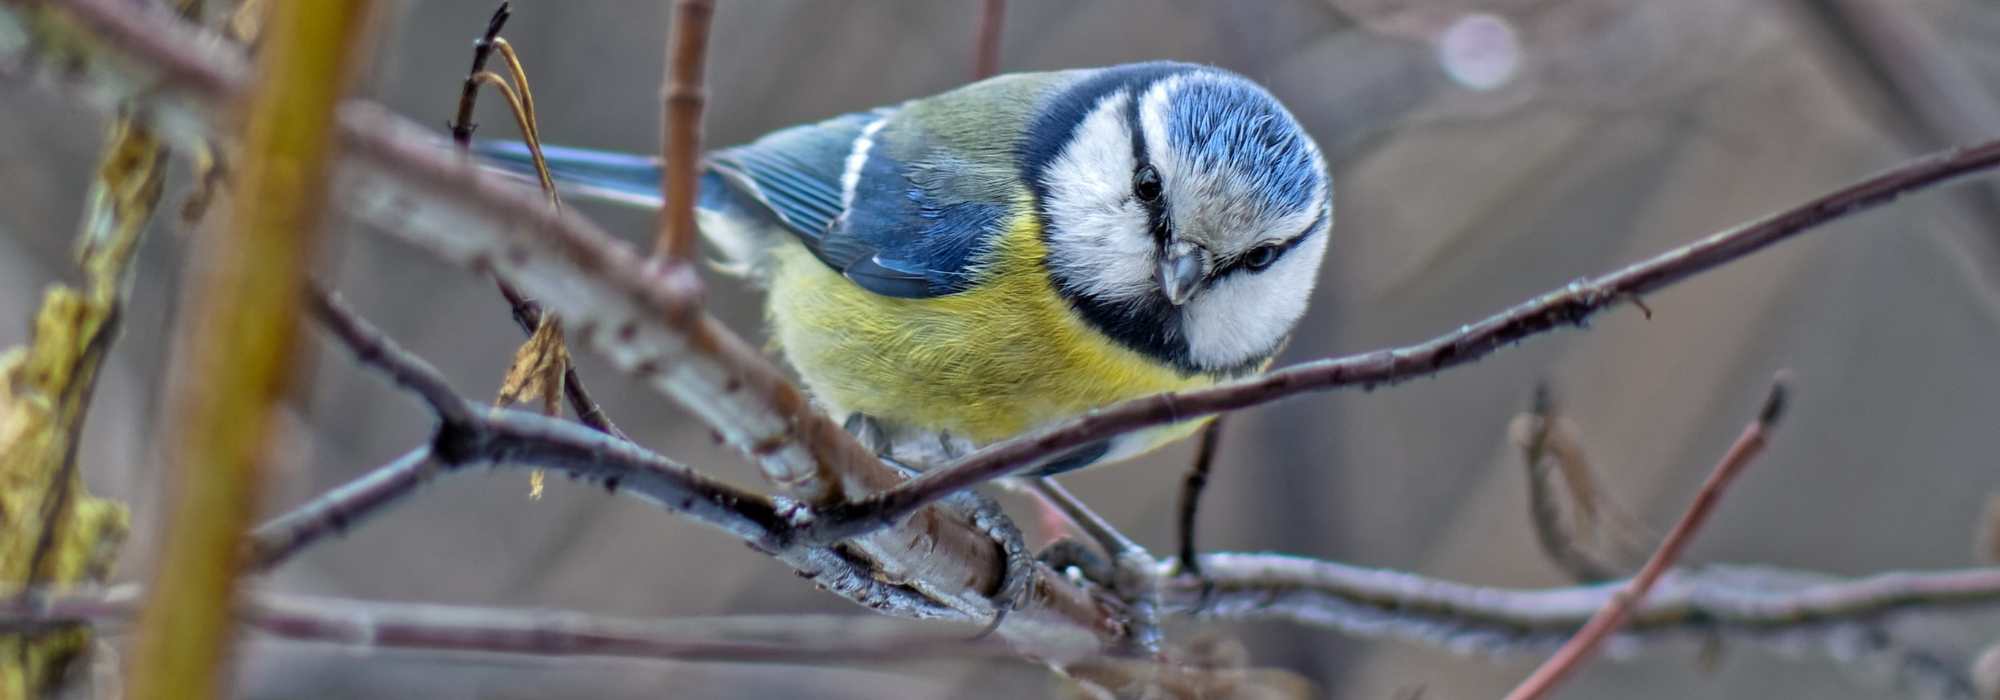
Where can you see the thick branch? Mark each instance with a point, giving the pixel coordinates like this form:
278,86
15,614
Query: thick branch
1571,305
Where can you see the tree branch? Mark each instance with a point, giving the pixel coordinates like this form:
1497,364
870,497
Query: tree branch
680,144
524,440
1785,610
1584,645
374,349
1192,487
1738,602
278,540
526,313
370,625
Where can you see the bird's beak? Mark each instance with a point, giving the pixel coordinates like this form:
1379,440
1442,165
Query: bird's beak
1182,266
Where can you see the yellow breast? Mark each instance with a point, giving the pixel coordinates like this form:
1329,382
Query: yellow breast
983,364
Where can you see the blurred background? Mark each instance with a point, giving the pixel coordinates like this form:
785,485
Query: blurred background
1483,151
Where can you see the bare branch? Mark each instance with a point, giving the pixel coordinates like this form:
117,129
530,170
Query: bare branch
374,625
1737,602
527,314
1584,645
278,540
680,145
522,440
372,348
1571,305
1191,490
468,96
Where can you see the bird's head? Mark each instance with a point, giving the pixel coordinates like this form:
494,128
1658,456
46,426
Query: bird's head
1184,209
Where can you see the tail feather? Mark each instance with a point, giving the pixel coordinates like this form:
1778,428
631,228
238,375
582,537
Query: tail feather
605,176
739,230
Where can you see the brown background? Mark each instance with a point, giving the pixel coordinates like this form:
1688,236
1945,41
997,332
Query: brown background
1633,127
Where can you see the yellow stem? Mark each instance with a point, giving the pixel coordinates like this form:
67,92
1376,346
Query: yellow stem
235,355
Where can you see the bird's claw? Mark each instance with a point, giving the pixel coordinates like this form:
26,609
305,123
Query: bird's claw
1018,577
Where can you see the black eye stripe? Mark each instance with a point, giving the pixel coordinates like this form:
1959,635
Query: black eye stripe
1156,207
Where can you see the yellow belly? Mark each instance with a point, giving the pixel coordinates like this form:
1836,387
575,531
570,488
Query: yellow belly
984,364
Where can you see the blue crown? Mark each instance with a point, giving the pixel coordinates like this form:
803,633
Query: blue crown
1233,123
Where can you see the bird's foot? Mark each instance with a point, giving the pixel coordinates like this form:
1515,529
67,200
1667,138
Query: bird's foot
983,513
1018,576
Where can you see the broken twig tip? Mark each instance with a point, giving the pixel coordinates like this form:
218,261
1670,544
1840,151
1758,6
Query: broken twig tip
1774,404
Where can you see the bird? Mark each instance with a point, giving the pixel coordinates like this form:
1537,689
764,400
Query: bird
958,269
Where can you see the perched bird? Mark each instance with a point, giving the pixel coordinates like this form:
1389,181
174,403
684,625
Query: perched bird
958,269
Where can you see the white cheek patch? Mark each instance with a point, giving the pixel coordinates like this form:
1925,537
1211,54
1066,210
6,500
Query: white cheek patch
1097,234
1244,315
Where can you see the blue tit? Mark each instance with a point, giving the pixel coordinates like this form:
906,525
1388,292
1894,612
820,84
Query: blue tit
958,269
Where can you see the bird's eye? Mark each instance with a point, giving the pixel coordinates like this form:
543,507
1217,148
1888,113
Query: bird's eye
1261,256
1146,184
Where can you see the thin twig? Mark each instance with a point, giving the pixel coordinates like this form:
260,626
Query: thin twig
1891,61
680,144
375,626
1093,525
527,314
986,51
281,538
1133,575
1191,490
238,346
373,348
1584,645
1571,305
468,96
513,439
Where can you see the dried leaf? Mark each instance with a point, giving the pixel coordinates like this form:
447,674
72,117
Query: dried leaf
536,378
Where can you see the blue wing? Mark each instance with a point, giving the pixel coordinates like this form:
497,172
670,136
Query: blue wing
909,233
